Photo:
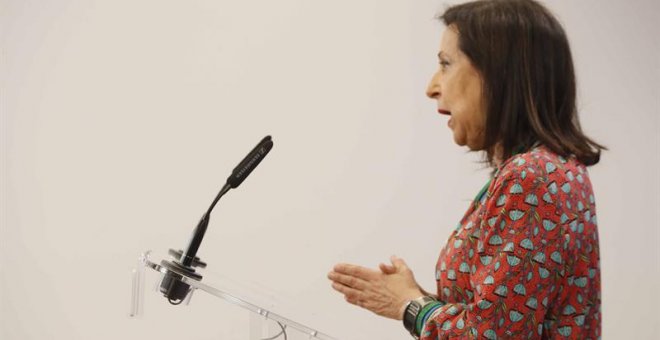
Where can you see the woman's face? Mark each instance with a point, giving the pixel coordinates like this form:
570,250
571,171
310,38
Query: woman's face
457,87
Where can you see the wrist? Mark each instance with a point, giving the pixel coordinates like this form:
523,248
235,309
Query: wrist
416,312
408,297
402,310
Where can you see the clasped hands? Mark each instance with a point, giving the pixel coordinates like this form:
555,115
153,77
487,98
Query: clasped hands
383,292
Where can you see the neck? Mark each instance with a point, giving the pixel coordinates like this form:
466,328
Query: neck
498,155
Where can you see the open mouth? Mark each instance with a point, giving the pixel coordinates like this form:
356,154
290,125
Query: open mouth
444,112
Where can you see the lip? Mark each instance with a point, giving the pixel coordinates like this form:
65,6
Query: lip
444,112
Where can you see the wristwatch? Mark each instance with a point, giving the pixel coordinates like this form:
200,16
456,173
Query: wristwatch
412,311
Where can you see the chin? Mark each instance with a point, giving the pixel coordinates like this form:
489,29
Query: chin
458,141
474,147
470,145
461,142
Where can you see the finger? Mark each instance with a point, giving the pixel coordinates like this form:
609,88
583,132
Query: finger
351,295
347,280
398,262
386,268
357,271
354,299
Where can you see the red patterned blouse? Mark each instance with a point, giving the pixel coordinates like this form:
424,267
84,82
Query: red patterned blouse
523,262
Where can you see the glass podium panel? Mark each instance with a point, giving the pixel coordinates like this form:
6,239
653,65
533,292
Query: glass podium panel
262,323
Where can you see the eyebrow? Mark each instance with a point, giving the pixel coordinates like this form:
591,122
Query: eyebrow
442,54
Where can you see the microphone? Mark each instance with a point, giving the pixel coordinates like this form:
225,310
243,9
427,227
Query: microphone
183,263
245,167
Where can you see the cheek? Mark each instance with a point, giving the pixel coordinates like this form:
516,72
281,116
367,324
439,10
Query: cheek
463,96
472,104
457,93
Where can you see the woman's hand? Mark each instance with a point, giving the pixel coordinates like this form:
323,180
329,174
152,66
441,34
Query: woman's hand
383,292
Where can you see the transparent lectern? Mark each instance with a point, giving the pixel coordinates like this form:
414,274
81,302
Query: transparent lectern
261,320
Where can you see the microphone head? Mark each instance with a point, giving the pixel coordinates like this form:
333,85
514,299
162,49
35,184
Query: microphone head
250,162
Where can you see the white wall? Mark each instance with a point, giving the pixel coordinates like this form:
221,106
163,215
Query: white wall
121,120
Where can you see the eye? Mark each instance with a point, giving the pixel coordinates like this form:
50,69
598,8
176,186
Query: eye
444,64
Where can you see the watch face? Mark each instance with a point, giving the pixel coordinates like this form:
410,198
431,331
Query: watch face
415,307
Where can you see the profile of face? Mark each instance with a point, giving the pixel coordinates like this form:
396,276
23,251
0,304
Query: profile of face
457,88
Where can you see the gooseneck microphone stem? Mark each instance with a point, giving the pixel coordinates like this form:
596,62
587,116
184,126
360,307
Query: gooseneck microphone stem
222,192
198,234
196,240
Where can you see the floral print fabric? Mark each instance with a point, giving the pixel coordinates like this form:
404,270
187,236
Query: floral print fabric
523,262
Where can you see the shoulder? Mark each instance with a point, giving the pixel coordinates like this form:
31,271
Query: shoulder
539,169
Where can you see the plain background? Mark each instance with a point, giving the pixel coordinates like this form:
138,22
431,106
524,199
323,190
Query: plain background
121,120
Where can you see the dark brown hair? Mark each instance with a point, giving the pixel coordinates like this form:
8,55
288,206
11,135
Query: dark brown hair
524,58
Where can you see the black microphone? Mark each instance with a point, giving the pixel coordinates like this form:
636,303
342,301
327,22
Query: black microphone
184,262
245,167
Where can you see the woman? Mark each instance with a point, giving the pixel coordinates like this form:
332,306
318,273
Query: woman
524,261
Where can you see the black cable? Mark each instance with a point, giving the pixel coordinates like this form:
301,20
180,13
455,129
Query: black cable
282,332
175,303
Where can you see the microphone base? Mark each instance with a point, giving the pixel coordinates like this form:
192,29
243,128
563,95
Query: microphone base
172,287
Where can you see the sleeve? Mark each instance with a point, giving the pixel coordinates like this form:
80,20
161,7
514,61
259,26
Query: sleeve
518,267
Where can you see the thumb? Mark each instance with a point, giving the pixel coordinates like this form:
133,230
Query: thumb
386,268
398,263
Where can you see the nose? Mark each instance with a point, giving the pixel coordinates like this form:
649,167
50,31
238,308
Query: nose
433,88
